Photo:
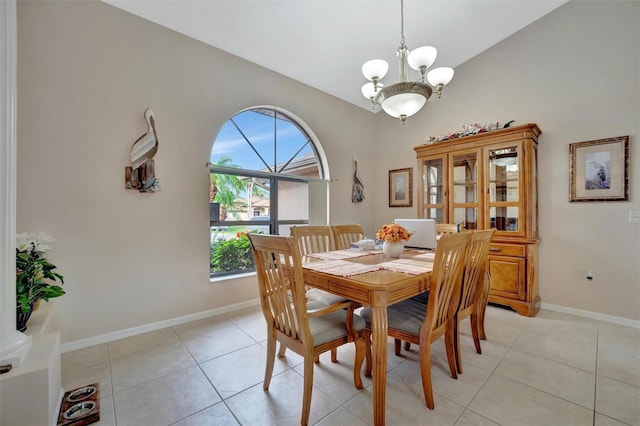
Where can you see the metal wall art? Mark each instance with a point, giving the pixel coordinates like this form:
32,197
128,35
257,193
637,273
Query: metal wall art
357,189
141,174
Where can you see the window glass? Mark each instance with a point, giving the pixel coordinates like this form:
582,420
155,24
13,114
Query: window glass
504,218
268,141
466,217
503,175
465,172
434,213
433,181
262,161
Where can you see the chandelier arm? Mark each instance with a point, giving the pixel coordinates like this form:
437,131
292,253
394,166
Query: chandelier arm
421,81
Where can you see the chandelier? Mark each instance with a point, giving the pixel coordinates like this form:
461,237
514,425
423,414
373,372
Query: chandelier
405,98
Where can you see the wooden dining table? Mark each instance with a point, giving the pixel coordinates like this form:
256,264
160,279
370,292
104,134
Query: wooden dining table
372,279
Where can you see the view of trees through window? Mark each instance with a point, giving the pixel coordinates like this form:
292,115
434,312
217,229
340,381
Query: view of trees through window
260,167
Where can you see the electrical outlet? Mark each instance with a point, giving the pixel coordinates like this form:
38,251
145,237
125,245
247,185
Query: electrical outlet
589,278
634,216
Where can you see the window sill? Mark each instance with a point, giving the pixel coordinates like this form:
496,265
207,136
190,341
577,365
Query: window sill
231,277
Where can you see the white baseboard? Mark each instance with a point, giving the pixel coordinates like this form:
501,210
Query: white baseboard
115,335
110,337
593,315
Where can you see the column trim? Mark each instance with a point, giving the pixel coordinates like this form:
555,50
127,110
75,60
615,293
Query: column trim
14,345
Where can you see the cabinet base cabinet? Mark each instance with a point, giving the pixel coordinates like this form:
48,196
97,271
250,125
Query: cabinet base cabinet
524,308
514,282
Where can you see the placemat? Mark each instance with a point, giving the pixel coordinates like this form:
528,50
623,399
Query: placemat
340,267
427,256
408,266
339,254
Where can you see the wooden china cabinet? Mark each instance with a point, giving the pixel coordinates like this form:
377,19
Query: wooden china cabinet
490,180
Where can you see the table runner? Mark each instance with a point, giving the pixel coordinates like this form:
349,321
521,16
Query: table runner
344,268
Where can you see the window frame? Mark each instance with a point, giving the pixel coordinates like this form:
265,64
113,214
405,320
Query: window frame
273,195
274,178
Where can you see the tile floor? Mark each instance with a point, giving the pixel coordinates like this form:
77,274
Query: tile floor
554,369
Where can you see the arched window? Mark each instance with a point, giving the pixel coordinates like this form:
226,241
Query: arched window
266,170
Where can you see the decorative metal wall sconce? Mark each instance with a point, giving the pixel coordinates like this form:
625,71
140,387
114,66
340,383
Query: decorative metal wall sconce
357,188
141,174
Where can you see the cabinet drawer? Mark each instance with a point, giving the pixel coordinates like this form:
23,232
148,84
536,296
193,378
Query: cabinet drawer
498,249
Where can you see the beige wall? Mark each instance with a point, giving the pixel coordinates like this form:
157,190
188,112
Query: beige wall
87,71
576,73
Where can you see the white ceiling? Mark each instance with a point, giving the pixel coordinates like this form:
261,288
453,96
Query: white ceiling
323,43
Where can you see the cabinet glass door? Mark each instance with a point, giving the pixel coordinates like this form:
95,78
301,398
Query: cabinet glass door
433,175
504,188
464,169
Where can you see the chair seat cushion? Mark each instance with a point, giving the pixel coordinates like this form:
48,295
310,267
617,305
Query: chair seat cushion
313,304
332,326
406,316
325,297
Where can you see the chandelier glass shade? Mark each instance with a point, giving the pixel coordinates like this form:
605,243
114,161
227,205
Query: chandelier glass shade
405,98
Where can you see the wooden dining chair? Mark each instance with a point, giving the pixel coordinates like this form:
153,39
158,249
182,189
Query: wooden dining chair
472,289
422,324
344,235
316,239
441,229
482,303
284,305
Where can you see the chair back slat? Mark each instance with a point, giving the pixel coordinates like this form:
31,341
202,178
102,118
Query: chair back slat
312,239
344,235
280,282
475,266
446,228
446,279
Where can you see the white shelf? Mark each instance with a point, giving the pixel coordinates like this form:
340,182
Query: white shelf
30,393
41,321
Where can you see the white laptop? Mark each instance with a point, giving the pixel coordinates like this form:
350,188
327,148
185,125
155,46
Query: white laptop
424,232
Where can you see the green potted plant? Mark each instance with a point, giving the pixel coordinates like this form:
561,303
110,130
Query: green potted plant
35,276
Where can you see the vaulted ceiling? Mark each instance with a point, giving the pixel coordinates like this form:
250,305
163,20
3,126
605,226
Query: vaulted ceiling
323,43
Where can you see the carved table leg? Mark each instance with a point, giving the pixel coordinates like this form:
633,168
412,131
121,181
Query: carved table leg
379,325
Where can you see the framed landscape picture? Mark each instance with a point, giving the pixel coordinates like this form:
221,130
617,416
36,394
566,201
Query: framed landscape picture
599,170
401,187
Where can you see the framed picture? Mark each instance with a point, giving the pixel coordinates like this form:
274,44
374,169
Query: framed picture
599,170
401,187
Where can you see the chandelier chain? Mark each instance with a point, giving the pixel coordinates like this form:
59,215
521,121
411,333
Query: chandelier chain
402,23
